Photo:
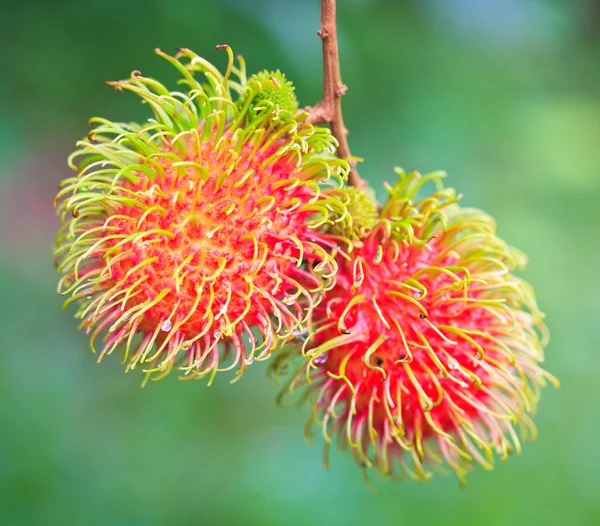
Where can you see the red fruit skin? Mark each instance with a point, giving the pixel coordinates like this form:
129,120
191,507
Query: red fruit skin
214,232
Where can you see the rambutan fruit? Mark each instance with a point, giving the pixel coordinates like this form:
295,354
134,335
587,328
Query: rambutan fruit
197,240
426,353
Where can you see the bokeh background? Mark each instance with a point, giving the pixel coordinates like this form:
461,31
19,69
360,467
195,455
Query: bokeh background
503,94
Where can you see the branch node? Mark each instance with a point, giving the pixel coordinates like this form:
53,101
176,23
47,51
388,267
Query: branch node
341,90
317,114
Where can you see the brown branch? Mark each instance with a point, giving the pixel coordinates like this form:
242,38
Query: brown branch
329,110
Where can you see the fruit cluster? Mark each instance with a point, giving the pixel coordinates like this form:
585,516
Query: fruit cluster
223,231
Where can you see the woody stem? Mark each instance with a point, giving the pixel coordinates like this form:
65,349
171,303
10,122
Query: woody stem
329,109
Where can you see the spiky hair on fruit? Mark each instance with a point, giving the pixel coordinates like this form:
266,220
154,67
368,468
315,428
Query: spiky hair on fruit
197,239
426,353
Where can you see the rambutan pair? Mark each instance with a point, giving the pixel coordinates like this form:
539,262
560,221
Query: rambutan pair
221,232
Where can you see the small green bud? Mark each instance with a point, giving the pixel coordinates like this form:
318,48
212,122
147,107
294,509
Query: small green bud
363,212
271,89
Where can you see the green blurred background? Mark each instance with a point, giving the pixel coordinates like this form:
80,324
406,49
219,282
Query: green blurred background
503,94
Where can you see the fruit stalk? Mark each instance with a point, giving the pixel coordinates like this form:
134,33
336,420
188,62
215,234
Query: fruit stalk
329,109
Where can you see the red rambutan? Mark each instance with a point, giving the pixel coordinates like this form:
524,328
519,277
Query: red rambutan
426,352
200,230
